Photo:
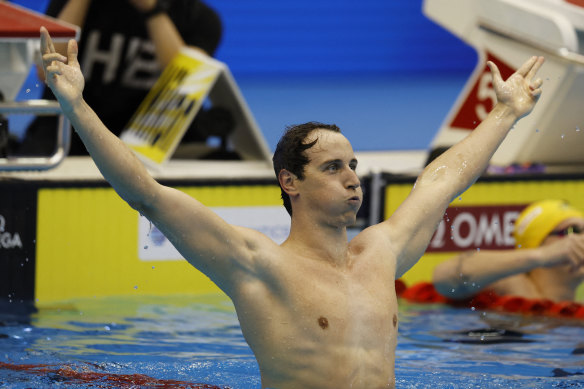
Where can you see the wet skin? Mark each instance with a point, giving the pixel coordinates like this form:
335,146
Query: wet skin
323,319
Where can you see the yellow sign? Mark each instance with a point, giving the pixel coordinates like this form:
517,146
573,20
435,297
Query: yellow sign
88,244
161,120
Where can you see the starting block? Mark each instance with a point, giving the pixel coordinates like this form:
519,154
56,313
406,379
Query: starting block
161,120
508,32
19,41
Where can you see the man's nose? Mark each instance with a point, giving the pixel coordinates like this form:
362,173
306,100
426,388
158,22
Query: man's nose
353,181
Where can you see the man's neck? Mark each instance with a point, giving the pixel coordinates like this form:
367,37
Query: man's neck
321,242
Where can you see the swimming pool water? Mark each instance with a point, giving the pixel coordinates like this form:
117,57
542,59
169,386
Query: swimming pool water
169,342
443,347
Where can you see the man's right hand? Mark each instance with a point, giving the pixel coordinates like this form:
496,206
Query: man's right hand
62,74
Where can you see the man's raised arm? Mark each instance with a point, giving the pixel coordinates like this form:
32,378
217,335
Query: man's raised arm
412,225
117,164
204,239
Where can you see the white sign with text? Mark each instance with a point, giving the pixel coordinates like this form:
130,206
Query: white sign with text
273,221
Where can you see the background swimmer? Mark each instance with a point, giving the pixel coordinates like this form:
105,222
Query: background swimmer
548,262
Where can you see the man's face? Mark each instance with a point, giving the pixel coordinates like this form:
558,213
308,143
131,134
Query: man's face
331,189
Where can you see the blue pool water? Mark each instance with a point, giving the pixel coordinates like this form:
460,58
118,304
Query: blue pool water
173,342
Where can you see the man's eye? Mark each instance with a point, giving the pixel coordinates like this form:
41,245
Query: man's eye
332,168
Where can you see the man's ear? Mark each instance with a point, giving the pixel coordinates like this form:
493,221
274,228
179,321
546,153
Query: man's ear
287,181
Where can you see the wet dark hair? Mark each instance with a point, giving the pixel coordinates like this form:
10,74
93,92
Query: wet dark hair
290,150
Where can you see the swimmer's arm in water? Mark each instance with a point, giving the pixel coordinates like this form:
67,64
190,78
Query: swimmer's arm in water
472,271
223,252
411,226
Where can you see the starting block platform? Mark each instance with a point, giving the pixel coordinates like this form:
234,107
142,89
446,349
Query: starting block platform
19,33
19,45
508,32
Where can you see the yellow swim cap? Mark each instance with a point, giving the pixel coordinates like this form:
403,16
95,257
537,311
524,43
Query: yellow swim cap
539,219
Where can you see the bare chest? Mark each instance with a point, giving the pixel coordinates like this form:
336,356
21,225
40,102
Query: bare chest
344,300
323,303
314,320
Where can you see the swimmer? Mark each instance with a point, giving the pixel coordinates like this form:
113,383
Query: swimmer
547,263
317,311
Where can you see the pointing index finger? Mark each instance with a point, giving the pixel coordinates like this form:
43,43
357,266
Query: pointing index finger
526,67
535,67
46,42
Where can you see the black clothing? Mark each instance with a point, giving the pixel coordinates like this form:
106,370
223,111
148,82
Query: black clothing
118,61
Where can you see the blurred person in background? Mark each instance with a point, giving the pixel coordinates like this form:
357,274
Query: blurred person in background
124,46
547,262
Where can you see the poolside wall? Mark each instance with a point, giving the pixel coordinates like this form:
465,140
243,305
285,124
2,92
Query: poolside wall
67,240
70,240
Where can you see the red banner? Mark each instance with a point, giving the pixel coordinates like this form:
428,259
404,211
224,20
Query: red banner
480,227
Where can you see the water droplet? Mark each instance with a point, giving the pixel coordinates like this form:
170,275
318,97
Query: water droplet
107,328
27,90
135,286
146,247
473,309
153,267
577,129
563,135
537,130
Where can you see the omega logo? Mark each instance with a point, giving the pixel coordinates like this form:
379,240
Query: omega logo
468,227
7,239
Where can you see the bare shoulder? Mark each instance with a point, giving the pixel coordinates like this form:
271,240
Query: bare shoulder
372,238
255,239
259,252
